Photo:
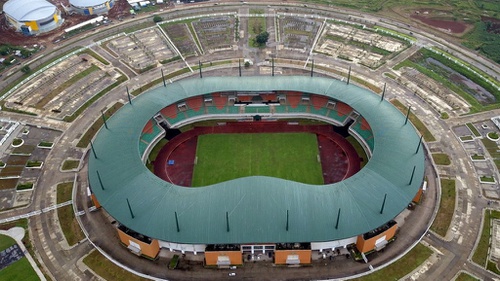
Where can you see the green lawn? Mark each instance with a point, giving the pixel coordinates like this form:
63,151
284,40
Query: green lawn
446,207
69,225
20,270
402,267
108,270
441,158
70,164
6,242
481,254
463,276
223,157
473,129
493,150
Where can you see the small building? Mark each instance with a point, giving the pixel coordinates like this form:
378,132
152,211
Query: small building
32,16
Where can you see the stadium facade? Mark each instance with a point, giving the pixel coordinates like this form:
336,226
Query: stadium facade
91,7
256,215
32,16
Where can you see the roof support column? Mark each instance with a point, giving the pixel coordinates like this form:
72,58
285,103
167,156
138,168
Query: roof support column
104,119
177,222
349,75
312,68
163,78
419,143
383,204
286,220
130,209
407,114
128,95
100,181
412,173
383,93
93,149
338,219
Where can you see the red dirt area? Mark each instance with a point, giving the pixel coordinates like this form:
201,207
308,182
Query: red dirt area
492,24
449,26
175,162
119,10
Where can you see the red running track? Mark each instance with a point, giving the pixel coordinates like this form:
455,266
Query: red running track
339,159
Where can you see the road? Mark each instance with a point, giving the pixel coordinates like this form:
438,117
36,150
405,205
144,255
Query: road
60,261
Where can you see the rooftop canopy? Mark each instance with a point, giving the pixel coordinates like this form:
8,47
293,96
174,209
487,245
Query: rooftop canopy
88,3
29,10
257,206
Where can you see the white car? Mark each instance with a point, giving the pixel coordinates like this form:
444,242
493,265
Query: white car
232,274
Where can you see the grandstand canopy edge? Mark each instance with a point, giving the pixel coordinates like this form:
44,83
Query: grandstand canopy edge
256,206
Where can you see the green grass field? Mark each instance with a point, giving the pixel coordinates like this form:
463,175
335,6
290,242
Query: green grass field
222,157
403,266
6,242
19,270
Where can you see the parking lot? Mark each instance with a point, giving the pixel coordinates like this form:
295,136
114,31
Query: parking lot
142,49
482,160
16,172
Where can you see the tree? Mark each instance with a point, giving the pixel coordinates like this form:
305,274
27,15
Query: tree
25,53
157,18
262,38
4,50
26,69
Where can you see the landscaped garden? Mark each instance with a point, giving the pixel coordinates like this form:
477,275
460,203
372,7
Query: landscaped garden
446,207
69,225
108,270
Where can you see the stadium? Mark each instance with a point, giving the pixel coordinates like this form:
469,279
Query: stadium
255,216
94,7
32,17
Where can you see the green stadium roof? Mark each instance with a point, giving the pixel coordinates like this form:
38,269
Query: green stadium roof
257,206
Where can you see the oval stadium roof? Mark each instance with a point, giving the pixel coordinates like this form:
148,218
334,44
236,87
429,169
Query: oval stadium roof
29,10
256,206
87,3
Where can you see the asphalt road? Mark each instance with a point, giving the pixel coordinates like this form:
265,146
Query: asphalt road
61,262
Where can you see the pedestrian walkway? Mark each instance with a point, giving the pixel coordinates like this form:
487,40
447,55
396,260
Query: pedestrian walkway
35,213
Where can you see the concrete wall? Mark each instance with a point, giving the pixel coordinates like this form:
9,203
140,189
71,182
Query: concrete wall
235,257
148,250
94,200
418,196
281,255
369,244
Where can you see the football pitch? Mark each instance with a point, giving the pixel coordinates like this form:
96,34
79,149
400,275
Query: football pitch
291,156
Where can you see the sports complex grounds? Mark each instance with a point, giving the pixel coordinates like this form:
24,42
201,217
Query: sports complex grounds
276,170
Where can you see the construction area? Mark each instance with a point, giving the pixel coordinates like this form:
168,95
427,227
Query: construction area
63,88
357,44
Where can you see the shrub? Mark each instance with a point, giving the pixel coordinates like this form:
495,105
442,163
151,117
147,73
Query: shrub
17,141
157,18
